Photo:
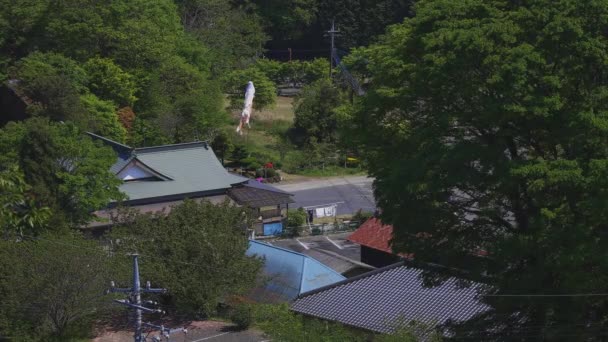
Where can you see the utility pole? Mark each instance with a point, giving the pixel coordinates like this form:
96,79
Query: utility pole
134,302
332,34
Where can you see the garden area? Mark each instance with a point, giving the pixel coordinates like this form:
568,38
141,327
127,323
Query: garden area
273,143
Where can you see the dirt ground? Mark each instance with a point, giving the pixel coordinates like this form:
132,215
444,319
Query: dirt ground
197,331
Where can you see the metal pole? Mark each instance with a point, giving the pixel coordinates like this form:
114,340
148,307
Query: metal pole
332,32
137,298
134,301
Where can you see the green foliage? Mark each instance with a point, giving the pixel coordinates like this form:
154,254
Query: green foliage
145,133
411,332
102,118
242,316
362,216
49,64
67,172
53,83
239,153
296,72
286,18
231,30
19,212
361,21
296,218
135,54
182,101
222,145
485,128
53,286
235,82
199,252
109,82
315,115
280,324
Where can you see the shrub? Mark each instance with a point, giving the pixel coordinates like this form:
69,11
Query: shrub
271,173
254,165
234,84
242,316
296,218
362,216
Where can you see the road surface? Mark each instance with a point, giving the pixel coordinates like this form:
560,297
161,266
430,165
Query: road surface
351,193
333,250
201,331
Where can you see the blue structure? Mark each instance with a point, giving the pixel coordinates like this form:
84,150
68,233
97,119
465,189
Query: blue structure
288,274
274,228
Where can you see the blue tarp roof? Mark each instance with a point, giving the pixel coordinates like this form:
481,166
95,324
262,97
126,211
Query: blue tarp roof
289,274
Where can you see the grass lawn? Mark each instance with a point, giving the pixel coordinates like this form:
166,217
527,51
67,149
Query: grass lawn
261,138
331,171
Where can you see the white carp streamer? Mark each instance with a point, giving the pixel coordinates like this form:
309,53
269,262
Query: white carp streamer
246,113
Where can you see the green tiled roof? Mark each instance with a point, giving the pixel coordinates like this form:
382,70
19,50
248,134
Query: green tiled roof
192,168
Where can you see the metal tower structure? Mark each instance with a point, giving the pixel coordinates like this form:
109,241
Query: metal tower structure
134,302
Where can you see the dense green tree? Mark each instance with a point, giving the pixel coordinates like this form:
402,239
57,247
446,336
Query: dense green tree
109,82
222,145
485,129
53,84
295,73
19,22
361,21
285,19
19,212
146,133
196,251
315,114
183,102
102,118
235,83
232,30
53,287
67,171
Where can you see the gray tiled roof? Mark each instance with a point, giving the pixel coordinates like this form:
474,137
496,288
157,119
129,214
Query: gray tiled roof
256,195
191,167
185,170
385,298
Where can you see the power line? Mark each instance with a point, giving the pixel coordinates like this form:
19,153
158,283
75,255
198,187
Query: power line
548,295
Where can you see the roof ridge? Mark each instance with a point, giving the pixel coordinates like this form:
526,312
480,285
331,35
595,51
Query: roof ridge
277,247
342,257
157,173
171,147
109,141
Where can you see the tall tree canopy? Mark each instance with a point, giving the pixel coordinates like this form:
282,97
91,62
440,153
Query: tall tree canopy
232,30
196,251
67,171
52,288
485,127
131,53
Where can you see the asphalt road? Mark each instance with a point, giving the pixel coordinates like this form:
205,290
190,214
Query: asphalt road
335,243
351,193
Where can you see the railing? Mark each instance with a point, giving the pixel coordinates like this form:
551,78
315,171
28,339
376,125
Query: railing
330,228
